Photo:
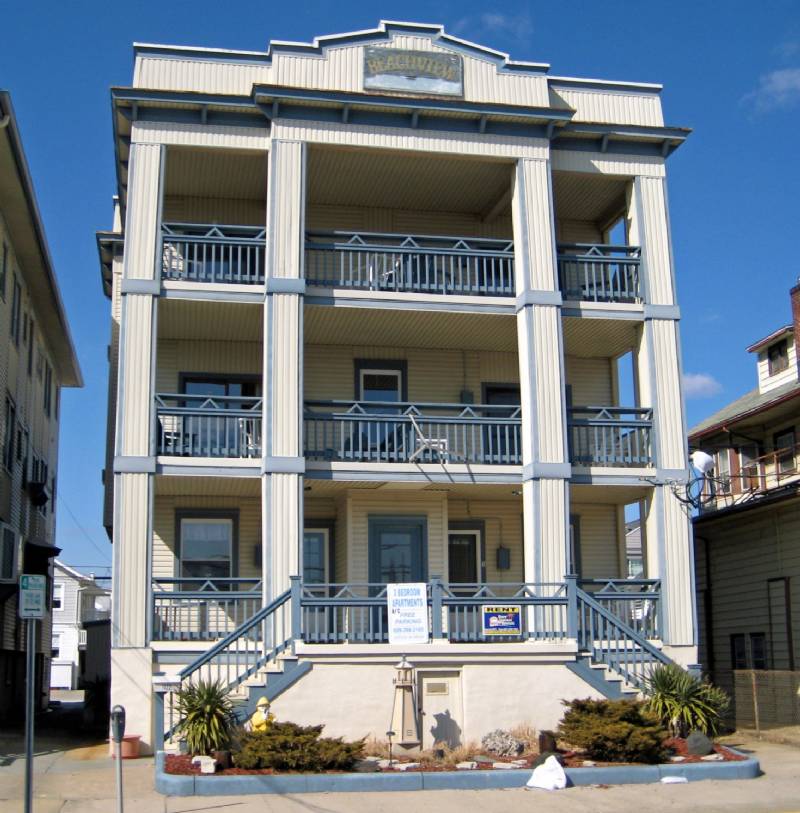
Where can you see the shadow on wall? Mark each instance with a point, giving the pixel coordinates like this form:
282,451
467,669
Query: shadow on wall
446,731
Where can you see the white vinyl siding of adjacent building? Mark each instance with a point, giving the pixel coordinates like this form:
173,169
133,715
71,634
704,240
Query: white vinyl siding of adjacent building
772,379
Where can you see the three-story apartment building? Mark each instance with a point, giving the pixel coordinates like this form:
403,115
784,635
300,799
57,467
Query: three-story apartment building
37,359
374,303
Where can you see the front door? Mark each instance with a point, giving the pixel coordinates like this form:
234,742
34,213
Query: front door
464,574
501,441
397,550
317,621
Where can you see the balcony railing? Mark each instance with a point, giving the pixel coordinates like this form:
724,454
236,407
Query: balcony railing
636,602
610,436
591,272
391,432
410,263
202,609
357,613
196,426
211,253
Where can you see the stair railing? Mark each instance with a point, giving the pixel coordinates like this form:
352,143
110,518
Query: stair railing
610,641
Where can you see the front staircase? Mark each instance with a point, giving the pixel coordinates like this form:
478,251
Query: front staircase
257,659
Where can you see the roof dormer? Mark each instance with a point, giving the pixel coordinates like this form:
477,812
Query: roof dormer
777,359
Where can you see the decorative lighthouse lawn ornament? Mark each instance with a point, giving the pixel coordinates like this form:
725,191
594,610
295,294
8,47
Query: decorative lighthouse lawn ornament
404,711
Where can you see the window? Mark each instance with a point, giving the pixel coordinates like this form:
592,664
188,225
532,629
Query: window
31,343
48,388
55,646
748,466
8,555
738,651
3,269
26,445
635,567
8,439
16,311
778,357
722,465
783,443
58,595
39,362
206,547
758,650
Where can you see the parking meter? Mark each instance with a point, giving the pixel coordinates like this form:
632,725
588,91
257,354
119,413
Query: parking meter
117,733
117,723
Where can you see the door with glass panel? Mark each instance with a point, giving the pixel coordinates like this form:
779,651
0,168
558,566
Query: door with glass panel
464,574
380,440
318,622
206,565
501,442
397,553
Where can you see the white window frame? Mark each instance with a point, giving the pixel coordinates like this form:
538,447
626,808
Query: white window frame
326,534
4,529
55,643
365,371
200,520
58,595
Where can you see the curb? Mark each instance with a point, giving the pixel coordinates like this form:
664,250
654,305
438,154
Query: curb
173,785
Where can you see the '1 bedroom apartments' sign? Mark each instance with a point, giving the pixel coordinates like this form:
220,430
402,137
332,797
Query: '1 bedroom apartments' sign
413,71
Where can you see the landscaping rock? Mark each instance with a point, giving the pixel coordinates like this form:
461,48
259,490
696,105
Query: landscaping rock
368,765
502,743
712,758
698,744
677,759
385,764
406,766
520,763
547,742
483,760
588,763
207,764
503,766
470,765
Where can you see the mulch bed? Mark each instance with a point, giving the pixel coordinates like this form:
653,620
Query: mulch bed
181,764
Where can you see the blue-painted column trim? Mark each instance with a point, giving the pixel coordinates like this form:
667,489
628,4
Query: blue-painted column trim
285,285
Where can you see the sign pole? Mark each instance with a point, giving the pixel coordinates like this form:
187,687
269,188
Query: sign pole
30,699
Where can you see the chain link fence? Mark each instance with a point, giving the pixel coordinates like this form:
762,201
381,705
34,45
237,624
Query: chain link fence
766,699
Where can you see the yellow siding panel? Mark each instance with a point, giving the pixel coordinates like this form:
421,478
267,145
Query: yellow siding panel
591,381
599,549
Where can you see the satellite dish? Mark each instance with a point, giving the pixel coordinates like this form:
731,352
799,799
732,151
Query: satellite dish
702,462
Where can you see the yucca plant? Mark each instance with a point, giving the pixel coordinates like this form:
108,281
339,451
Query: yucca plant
685,703
206,716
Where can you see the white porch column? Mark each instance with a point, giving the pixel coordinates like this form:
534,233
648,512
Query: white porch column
546,468
283,463
668,526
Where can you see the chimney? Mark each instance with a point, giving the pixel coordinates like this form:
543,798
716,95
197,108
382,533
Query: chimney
795,297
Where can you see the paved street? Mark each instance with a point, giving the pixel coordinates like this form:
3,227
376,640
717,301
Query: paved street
70,779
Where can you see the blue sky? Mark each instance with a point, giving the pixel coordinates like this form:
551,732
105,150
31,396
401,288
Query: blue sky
731,71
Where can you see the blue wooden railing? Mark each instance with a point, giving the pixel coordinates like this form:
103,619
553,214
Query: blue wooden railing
636,602
197,609
407,263
610,436
591,272
194,252
393,432
199,426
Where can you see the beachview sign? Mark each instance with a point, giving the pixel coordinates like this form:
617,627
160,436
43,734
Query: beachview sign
413,71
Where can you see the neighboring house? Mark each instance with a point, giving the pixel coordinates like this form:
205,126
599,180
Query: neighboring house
397,361
747,534
634,555
77,599
37,359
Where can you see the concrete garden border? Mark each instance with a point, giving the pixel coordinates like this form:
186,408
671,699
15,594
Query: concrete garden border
179,785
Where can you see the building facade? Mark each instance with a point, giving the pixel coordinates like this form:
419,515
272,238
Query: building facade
77,600
37,359
372,300
747,533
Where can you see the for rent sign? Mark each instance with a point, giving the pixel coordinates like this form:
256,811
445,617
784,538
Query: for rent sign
502,619
413,71
408,613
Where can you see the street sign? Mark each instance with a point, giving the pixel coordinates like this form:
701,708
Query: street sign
32,596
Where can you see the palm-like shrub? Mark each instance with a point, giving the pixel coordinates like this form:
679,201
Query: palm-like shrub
684,702
206,716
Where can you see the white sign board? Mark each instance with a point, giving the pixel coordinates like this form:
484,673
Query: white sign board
408,613
31,596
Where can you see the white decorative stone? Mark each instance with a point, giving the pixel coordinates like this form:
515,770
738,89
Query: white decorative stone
677,759
385,764
588,763
520,763
503,766
466,766
207,764
405,766
713,758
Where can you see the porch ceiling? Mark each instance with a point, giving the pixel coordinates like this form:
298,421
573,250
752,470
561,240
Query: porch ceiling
216,173
215,487
210,321
461,491
608,495
588,197
407,328
599,338
395,180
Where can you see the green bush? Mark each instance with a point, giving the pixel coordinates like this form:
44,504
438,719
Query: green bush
206,717
291,747
685,703
613,730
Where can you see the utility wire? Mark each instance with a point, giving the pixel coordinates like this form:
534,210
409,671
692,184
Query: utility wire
82,529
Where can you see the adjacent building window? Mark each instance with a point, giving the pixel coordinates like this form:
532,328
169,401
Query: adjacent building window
748,466
783,443
58,595
48,388
8,438
31,334
55,650
8,555
3,270
778,357
738,651
758,650
206,547
16,312
722,465
39,362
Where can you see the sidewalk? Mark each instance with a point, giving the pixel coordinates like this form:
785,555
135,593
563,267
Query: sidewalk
81,780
